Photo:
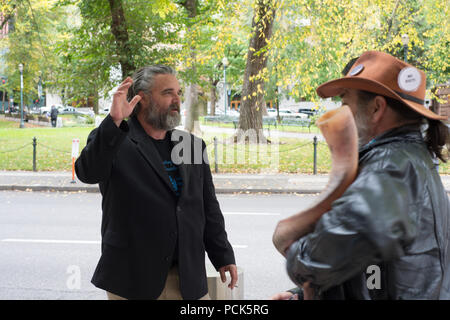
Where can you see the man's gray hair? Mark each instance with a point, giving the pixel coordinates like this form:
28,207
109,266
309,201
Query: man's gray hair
143,80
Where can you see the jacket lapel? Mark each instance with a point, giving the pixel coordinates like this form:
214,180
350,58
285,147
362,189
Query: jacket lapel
144,145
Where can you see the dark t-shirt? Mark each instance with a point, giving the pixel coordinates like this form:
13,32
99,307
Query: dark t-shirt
164,148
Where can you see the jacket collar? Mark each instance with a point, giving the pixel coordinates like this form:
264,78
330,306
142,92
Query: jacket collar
145,146
406,133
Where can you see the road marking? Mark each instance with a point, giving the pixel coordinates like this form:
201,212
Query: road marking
52,241
252,213
237,246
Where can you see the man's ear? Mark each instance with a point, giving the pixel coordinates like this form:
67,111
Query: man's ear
143,98
141,94
379,109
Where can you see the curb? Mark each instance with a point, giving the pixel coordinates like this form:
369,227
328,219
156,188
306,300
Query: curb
95,189
48,188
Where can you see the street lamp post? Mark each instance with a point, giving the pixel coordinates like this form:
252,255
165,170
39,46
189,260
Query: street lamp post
405,41
40,89
21,96
225,95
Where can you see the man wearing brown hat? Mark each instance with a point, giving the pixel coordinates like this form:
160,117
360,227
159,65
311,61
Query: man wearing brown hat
388,236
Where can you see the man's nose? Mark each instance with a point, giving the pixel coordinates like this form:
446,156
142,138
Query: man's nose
177,98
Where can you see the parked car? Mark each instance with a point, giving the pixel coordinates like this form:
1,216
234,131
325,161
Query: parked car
45,110
68,110
284,113
308,112
13,109
35,110
230,112
86,111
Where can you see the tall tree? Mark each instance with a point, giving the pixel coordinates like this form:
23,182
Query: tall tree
120,31
112,40
316,38
192,89
255,75
31,43
219,32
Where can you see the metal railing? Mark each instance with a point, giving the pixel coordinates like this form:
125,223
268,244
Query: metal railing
214,142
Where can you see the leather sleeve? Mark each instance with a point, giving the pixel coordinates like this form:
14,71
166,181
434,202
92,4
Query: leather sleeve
369,223
95,161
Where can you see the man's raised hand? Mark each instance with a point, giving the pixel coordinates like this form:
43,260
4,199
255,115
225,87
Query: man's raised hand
121,108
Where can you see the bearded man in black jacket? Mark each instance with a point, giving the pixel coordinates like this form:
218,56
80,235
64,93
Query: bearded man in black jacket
160,212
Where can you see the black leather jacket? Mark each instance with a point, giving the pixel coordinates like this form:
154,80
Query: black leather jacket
388,236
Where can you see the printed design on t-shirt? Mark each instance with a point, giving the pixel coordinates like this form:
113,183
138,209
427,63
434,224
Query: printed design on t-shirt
174,176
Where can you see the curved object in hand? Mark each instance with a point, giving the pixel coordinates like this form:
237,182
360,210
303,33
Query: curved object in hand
339,130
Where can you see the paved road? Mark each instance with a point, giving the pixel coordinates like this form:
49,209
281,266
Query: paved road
46,239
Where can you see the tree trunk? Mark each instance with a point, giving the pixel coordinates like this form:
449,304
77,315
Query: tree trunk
203,104
7,16
192,124
120,32
391,19
252,102
192,105
95,100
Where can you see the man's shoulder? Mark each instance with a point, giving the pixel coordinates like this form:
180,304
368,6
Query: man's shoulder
396,153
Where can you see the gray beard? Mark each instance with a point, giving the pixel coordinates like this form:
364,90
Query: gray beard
362,126
162,120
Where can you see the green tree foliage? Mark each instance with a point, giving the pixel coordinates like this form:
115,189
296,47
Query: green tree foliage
32,42
94,56
74,45
314,39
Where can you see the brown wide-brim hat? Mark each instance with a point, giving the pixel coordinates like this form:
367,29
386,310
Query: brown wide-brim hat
383,74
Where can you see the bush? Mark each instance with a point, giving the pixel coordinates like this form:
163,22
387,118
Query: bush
90,120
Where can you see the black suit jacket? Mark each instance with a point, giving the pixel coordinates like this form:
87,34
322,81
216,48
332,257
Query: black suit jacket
142,219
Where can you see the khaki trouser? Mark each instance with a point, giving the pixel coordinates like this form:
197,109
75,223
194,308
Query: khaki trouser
171,290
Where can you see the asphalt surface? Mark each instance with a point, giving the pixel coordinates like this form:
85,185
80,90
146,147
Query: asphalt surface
50,242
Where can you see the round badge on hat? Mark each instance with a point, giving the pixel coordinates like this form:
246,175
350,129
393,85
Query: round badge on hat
409,79
356,70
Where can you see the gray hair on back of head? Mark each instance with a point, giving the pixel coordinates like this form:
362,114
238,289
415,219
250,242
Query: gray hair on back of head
143,80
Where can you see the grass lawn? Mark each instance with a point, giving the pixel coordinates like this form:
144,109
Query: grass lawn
287,155
53,150
54,147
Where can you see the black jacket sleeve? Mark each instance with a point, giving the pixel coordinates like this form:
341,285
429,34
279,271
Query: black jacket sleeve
219,250
95,161
369,223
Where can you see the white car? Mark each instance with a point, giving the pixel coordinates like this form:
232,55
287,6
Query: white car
68,110
45,110
286,114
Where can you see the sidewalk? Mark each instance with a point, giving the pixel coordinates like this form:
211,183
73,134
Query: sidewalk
224,183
